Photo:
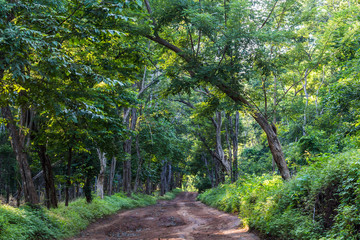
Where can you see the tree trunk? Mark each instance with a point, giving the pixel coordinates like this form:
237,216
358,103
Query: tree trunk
163,179
140,162
127,149
18,144
101,176
178,180
219,150
169,177
18,195
87,190
217,174
127,162
270,130
68,175
275,146
148,186
50,190
112,175
274,121
228,129
210,175
235,144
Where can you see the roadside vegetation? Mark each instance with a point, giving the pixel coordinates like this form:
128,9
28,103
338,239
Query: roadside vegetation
36,223
321,202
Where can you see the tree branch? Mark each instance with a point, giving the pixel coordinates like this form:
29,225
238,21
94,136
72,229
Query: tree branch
189,104
268,17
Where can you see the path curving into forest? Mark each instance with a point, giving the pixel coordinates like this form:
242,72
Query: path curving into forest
181,218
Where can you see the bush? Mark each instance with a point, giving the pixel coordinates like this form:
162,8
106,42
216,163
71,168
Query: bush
321,202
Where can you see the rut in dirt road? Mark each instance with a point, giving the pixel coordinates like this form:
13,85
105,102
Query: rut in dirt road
181,218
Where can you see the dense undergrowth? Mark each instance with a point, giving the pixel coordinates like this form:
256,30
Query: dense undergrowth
30,223
321,202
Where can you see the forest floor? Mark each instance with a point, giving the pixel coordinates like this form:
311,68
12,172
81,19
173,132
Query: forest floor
181,218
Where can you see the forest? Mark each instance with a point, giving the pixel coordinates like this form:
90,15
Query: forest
112,104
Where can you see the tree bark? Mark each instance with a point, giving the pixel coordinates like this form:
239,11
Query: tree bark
228,129
235,146
163,179
18,138
50,190
148,186
219,150
275,146
169,177
112,175
127,149
140,162
101,176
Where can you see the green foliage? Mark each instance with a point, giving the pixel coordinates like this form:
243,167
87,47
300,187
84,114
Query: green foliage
255,160
321,202
170,195
35,223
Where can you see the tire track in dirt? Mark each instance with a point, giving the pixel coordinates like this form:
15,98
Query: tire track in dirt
181,218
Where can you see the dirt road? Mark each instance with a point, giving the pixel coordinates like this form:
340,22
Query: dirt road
181,218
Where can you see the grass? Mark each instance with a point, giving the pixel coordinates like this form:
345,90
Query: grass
37,223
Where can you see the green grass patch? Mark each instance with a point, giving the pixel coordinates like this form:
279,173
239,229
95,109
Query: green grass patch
27,223
321,202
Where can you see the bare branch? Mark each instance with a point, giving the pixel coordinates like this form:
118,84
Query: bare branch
268,17
201,91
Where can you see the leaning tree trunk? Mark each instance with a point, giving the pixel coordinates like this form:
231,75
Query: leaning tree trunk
274,144
18,144
50,190
270,130
101,176
272,138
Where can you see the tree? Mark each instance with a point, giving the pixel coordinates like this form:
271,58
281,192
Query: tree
228,55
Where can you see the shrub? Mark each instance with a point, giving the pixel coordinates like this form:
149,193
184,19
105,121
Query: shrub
321,202
37,223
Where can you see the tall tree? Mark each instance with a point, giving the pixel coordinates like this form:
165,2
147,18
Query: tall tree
226,63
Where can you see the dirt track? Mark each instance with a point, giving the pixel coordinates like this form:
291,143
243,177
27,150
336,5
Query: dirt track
181,218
